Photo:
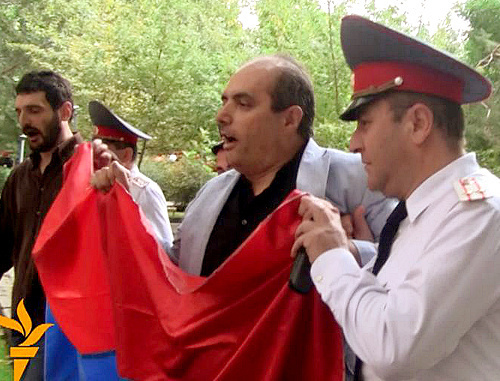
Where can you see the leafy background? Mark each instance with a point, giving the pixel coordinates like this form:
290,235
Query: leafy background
162,64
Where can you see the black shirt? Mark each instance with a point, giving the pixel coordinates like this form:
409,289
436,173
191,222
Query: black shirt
243,212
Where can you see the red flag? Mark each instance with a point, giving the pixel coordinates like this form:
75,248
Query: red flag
241,323
70,263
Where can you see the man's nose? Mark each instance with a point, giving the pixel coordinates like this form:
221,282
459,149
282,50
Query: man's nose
355,142
23,119
223,116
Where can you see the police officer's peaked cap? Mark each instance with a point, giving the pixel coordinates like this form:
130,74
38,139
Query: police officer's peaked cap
110,126
382,59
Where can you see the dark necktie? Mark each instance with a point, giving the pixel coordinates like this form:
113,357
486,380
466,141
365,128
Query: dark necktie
388,233
384,248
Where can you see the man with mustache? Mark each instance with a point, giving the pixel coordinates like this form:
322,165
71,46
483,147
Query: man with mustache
428,308
265,122
44,108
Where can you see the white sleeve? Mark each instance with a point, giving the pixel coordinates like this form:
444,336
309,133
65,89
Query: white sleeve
452,284
154,206
366,249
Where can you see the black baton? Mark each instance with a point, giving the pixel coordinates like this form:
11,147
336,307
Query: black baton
300,277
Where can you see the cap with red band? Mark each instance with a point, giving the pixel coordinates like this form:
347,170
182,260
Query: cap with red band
110,126
383,59
371,77
103,132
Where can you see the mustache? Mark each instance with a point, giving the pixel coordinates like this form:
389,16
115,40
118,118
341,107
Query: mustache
30,130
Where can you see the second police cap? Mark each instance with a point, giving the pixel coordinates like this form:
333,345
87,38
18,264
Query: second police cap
383,59
110,126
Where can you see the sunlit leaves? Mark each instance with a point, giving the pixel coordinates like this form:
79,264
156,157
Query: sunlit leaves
161,64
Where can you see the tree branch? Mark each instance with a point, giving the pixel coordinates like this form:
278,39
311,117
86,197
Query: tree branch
5,71
489,58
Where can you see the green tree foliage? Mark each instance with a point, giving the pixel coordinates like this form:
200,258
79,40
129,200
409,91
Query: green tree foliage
162,64
4,173
483,52
12,61
301,28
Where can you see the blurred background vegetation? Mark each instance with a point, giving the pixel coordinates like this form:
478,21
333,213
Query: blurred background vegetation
163,64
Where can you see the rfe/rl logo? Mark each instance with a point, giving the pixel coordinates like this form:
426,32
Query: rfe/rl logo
25,351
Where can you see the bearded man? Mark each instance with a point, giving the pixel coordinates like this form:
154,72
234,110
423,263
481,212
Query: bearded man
44,108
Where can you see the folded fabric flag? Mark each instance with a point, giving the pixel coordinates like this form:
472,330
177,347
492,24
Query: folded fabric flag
61,357
63,362
70,262
241,323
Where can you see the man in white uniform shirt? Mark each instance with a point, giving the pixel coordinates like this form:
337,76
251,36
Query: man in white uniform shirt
431,310
121,138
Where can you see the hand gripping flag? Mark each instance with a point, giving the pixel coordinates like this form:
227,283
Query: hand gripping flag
241,323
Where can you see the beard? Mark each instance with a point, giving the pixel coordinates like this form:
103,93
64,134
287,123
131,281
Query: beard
49,138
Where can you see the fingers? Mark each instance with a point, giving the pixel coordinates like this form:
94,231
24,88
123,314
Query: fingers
120,174
348,225
304,227
296,246
320,229
359,213
102,155
323,228
304,232
316,209
102,179
361,228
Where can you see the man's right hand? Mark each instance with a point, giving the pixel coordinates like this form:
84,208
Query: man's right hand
101,154
104,178
321,228
108,169
360,228
356,227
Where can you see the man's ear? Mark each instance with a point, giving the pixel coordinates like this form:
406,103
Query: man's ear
65,111
421,121
128,154
293,116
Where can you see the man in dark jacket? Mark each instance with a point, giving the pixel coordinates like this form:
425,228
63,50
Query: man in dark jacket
44,107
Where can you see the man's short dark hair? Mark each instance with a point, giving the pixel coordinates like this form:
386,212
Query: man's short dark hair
448,115
293,87
57,89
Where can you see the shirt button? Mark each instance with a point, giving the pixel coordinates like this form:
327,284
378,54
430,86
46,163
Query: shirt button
244,222
41,189
318,278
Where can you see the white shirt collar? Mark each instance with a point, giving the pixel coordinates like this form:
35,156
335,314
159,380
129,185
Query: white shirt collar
439,184
134,171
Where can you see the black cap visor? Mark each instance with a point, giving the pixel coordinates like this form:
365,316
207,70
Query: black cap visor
352,111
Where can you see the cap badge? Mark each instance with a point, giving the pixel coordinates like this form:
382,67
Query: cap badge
398,81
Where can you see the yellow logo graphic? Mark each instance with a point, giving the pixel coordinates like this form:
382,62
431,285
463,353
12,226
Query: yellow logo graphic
25,351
